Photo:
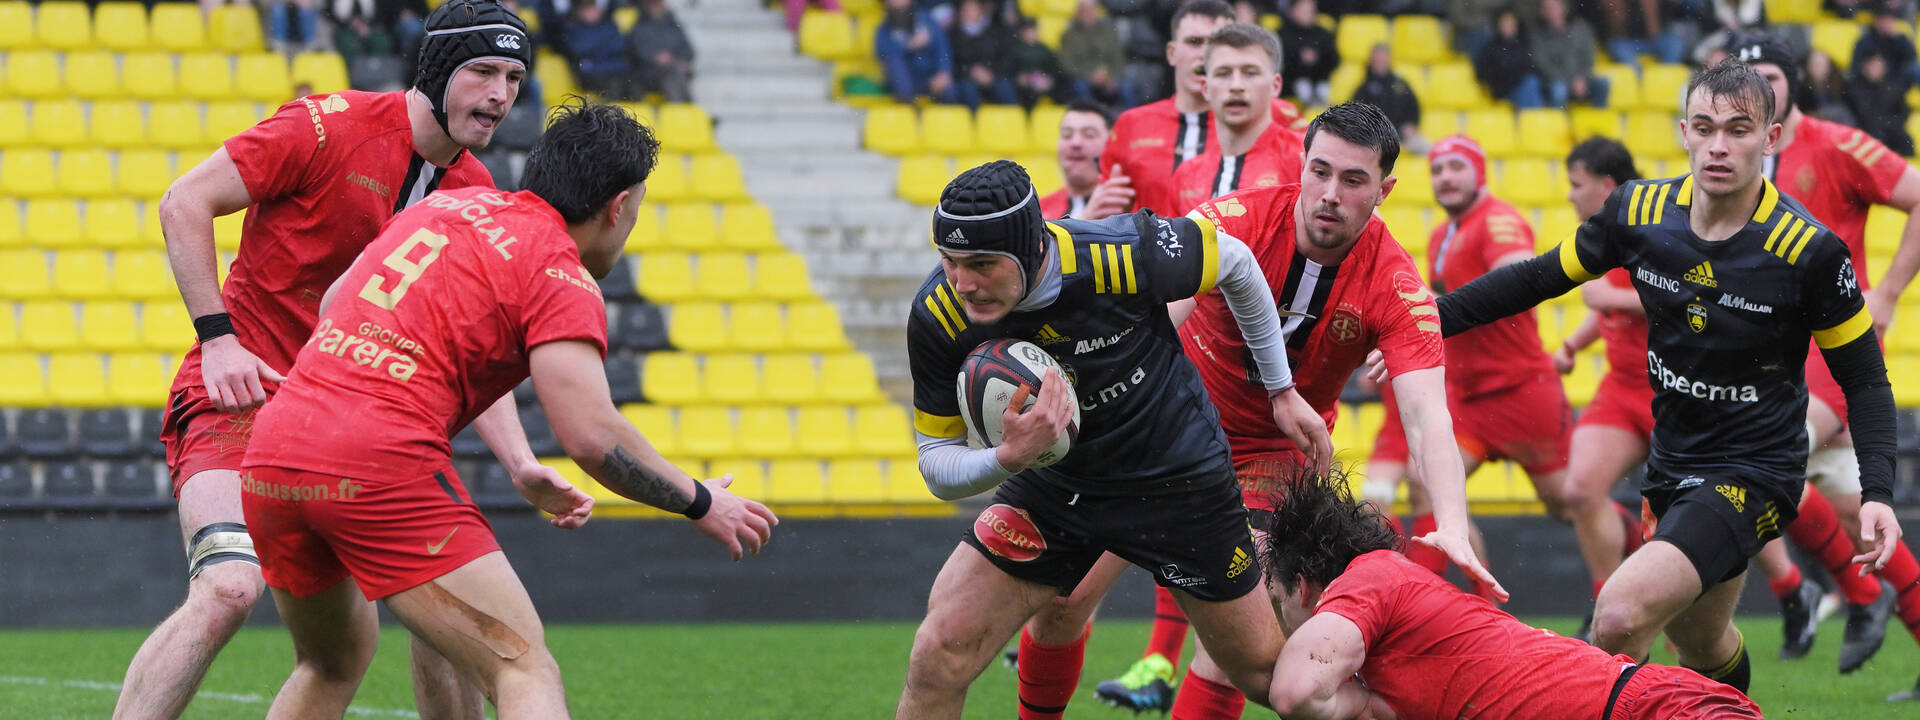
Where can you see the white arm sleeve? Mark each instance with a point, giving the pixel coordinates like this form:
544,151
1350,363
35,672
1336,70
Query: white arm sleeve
953,470
1247,294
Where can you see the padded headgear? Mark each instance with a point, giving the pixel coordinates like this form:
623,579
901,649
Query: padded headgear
1762,48
461,32
993,209
1466,148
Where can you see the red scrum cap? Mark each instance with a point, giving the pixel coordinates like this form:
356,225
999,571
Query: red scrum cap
1467,149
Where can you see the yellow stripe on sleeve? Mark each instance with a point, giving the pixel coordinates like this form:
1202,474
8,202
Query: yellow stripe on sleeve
1126,261
1209,255
1097,252
1793,256
953,308
940,426
1633,204
1570,263
1845,332
934,309
1660,203
1063,243
1113,268
1784,227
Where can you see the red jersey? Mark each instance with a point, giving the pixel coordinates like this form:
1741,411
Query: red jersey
1625,334
1436,652
1498,355
1150,141
1059,205
1372,298
1273,160
1838,173
430,326
325,173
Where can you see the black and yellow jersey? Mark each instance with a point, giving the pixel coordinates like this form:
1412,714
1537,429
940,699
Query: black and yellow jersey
1728,325
1146,422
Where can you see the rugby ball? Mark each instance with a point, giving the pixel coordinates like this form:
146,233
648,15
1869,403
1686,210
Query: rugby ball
988,379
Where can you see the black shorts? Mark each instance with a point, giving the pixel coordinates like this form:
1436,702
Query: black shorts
1720,523
1195,540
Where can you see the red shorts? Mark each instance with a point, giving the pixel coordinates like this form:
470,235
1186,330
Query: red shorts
313,530
1624,402
200,438
1820,385
1529,424
1261,475
1664,692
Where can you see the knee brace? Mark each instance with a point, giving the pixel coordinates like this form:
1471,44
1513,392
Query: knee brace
216,543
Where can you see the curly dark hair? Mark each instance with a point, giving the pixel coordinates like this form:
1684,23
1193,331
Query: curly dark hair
1317,529
588,154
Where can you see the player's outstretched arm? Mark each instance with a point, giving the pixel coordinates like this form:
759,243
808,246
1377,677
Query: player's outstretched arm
572,385
1436,458
1861,371
542,486
213,188
1611,298
1578,340
1884,297
1313,679
1506,291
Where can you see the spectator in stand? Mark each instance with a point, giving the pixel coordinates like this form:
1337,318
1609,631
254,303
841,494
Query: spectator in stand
1879,101
1505,63
1883,37
358,32
1563,50
1036,71
1641,27
1308,55
1824,94
1091,55
599,54
1850,8
293,26
1725,20
1384,89
662,55
1472,19
796,8
981,51
913,54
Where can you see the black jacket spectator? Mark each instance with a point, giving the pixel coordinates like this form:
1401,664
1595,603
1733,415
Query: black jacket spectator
662,55
1879,101
1036,71
982,56
1506,60
1308,54
599,54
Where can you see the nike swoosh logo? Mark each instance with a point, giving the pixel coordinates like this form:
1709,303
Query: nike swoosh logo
435,548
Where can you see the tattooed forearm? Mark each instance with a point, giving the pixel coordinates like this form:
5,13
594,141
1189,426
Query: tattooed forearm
622,473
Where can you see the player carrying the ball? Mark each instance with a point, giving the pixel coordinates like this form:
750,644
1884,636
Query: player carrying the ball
1148,477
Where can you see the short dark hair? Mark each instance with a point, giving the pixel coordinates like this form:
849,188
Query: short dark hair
1738,84
1361,124
1317,529
588,154
1203,8
1081,105
1242,35
1605,156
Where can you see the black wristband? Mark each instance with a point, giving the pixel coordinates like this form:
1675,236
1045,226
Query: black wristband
702,500
212,326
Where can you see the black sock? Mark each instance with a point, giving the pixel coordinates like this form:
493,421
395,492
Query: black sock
1737,672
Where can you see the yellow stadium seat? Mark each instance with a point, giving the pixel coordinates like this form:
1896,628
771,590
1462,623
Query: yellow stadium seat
112,223
1557,223
77,380
1003,126
1044,170
48,326
827,35
120,26
782,276
766,431
947,129
109,326
707,432
1415,186
722,276
144,173
230,118
1591,122
1043,128
1464,92
1493,129
1441,123
1414,75
556,79
176,125
53,222
1416,39
93,74
138,379
1544,132
1408,224
59,123
856,481
34,74
790,378
118,124
27,275
815,326
1356,35
1661,86
144,275
1623,87
656,424
922,177
149,75
849,377
24,172
757,326
747,226
9,329
685,127
81,274
226,231
697,326
11,235
670,378
668,183
235,28
263,77
1652,135
749,476
1346,80
1836,38
905,485
63,25
13,124
892,129
325,72
716,176
882,430
16,25
177,27
1529,181
26,383
823,430
665,277
795,481
690,226
211,76
732,379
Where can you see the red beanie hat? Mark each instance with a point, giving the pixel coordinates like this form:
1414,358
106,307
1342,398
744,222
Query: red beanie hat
1466,148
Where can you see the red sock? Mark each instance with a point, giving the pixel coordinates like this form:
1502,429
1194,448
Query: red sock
1203,699
1048,675
1904,573
1597,584
1422,555
1635,531
1169,627
1785,586
1817,530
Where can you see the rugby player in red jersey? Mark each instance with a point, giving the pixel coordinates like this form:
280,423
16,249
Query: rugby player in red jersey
318,179
1250,148
458,301
1840,173
1083,133
1370,634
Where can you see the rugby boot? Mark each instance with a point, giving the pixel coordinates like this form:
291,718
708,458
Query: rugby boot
1866,629
1797,626
1906,695
1148,685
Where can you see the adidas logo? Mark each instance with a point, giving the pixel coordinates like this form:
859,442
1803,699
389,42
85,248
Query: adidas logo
956,237
1239,564
1048,336
1702,275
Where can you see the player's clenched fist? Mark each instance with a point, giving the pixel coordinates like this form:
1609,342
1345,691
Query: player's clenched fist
1031,432
738,523
233,375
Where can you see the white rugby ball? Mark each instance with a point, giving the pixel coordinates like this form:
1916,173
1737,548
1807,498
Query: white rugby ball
988,379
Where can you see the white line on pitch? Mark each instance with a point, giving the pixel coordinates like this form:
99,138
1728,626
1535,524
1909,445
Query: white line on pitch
247,698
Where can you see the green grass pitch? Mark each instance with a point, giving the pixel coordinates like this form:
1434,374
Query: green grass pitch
851,670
